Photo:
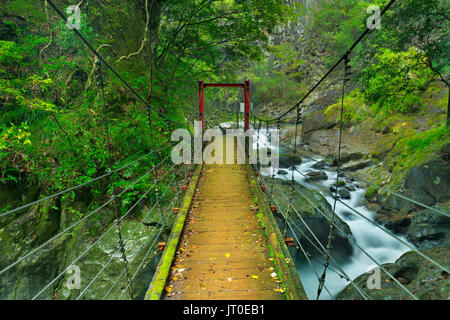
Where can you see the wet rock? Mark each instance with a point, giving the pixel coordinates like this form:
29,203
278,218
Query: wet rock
344,193
33,228
322,164
399,225
357,165
429,183
282,172
349,179
317,120
350,187
316,176
346,157
317,221
429,229
349,215
424,279
287,160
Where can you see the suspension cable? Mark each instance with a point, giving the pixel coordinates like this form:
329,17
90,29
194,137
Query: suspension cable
361,37
127,240
403,197
81,184
344,274
330,234
86,251
123,272
354,242
151,246
110,163
397,238
358,177
82,219
305,254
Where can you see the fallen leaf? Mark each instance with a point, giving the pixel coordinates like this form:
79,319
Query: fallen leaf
227,255
168,289
254,277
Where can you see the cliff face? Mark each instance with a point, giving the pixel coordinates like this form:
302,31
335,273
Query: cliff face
301,37
23,232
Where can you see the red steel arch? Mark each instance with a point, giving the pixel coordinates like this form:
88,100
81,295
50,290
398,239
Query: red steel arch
245,86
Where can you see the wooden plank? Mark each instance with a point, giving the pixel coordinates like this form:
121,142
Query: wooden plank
223,239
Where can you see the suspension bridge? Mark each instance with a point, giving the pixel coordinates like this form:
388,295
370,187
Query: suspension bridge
224,241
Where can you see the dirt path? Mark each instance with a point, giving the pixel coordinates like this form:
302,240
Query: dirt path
223,253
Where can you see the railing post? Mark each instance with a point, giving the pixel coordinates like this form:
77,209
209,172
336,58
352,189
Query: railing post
201,98
247,104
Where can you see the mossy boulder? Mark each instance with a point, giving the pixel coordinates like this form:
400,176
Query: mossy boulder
428,229
424,279
19,237
317,221
141,255
287,160
317,120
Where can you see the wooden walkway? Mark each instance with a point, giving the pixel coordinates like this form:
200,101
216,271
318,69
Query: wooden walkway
225,243
223,253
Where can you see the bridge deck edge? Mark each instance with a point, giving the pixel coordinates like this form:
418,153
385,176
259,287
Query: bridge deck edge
289,275
161,275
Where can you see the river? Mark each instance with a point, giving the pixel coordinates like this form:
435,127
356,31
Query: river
379,244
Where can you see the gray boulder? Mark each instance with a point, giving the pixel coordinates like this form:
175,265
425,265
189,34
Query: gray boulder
316,176
344,193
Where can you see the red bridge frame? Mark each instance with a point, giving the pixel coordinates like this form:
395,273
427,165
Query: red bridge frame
245,86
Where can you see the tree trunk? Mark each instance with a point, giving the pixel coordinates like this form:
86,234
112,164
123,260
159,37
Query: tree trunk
448,106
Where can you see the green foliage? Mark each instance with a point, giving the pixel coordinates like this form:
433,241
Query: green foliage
286,60
355,109
423,24
338,23
52,126
68,40
422,140
273,88
395,81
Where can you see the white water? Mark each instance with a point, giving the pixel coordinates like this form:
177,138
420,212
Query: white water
377,243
